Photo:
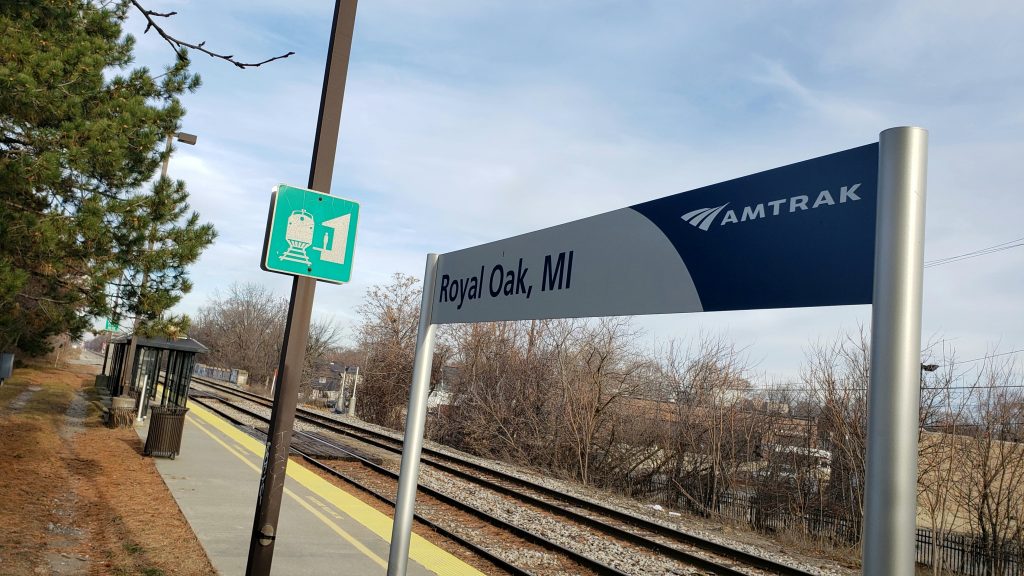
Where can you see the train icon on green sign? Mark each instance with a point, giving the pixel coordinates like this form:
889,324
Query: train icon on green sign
310,234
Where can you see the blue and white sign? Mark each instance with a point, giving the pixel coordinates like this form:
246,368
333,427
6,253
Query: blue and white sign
800,235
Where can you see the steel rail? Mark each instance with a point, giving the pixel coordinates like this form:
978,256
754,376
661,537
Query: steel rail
577,557
392,444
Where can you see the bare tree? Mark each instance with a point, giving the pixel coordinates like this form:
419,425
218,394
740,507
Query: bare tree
788,480
837,377
596,366
500,397
181,47
324,335
390,320
713,438
992,461
945,410
243,330
563,395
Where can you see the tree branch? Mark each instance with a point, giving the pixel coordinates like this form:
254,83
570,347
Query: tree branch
179,45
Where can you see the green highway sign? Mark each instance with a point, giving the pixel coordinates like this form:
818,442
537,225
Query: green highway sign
310,234
112,326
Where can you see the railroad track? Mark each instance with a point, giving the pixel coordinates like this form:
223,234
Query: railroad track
634,534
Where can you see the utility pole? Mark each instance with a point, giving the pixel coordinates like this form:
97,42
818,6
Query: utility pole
300,306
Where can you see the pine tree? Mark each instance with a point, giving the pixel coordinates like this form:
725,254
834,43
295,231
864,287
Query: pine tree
81,134
172,239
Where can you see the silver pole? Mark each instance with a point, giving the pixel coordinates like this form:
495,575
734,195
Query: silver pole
143,391
352,398
894,394
405,501
338,405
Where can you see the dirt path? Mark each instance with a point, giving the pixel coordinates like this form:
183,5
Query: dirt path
66,538
77,498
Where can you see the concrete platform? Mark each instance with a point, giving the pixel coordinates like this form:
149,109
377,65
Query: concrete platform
322,528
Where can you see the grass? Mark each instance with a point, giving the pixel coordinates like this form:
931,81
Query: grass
82,480
132,548
11,388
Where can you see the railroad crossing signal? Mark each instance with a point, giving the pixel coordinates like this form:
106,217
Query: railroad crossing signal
310,234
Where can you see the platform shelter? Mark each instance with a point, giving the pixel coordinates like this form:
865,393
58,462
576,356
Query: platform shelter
155,361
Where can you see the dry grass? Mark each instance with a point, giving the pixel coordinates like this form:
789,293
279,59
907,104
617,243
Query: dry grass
82,500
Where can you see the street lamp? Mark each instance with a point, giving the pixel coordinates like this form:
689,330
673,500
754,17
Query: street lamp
184,137
921,407
927,368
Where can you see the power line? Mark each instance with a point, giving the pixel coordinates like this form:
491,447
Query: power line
864,389
1016,243
986,357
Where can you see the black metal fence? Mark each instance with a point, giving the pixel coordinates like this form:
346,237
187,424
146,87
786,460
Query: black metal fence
964,554
820,524
956,553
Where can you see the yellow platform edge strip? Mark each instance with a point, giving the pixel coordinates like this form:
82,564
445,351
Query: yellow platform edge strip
423,552
337,529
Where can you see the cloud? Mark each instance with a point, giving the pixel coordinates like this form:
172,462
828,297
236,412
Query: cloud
466,122
835,110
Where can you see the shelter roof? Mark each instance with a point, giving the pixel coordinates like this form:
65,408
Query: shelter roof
183,344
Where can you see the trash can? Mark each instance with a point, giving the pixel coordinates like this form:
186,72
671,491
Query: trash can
122,412
165,426
6,366
101,385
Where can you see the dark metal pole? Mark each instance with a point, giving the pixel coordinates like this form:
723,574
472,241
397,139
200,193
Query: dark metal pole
106,355
125,382
275,461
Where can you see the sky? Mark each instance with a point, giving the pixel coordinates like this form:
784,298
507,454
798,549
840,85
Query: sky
468,121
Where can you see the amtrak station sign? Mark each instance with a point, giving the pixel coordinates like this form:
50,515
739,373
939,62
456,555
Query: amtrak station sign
846,228
310,233
795,236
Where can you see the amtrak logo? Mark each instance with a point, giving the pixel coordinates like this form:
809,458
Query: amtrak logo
703,218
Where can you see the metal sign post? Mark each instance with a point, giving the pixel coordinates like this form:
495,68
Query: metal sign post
275,461
890,506
415,420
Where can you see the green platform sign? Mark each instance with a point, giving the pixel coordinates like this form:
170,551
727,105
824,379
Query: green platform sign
310,234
